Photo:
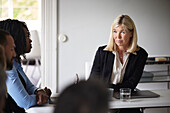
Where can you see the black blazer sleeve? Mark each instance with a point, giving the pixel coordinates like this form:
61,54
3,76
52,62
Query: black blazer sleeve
96,68
102,65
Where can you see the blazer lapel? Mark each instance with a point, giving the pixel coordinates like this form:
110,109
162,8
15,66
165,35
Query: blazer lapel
132,59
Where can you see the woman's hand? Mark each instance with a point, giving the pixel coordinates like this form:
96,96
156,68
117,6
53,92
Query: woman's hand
42,97
48,91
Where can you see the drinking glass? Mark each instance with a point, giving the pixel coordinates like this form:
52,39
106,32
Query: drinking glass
110,90
125,94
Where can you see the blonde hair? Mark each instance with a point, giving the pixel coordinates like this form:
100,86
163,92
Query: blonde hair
129,25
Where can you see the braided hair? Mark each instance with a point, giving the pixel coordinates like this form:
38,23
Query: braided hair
15,28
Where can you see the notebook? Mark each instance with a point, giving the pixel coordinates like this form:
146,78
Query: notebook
138,94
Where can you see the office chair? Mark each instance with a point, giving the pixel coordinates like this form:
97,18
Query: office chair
88,66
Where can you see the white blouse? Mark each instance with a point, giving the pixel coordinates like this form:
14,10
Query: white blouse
119,68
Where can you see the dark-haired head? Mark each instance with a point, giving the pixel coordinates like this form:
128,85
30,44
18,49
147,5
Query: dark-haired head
2,57
3,40
7,42
16,29
85,97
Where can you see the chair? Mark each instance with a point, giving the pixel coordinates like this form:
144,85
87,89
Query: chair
35,54
88,66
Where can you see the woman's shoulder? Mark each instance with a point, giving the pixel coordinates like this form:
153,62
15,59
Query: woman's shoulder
102,47
142,51
101,50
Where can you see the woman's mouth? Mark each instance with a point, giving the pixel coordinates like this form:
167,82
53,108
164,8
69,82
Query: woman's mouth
119,41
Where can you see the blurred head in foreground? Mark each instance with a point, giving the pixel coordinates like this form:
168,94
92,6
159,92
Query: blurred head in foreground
85,97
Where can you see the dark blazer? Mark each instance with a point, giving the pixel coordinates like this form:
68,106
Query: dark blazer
103,66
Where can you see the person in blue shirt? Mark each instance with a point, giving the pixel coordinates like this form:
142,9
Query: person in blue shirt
19,87
7,42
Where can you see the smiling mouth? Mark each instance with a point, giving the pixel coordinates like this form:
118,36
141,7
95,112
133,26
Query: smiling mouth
119,41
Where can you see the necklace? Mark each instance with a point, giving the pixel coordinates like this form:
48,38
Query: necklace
121,57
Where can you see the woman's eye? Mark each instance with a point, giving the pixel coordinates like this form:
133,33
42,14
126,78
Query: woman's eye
123,32
114,32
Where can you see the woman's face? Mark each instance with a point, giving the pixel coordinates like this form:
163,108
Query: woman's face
28,41
121,36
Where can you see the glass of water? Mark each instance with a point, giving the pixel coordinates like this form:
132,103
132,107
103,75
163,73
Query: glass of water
110,90
125,94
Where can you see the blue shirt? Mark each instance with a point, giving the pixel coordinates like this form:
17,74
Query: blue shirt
25,98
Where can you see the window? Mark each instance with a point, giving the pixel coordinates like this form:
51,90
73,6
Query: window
19,9
29,12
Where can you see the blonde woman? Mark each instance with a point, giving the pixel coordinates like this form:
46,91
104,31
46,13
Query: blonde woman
121,62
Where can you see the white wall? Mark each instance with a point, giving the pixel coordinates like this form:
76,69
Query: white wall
87,25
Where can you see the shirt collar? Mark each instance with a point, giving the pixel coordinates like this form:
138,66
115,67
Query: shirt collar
135,53
16,64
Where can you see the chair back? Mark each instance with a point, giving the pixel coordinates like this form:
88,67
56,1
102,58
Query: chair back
36,49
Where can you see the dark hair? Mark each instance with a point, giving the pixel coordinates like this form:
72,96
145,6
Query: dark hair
3,78
15,28
3,40
2,56
85,97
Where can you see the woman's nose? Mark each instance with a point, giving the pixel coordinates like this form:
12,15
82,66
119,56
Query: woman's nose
30,40
118,35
